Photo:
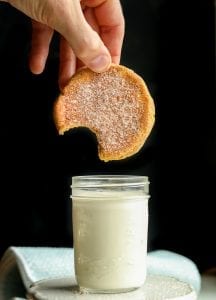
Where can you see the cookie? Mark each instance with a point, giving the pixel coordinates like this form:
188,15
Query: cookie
116,105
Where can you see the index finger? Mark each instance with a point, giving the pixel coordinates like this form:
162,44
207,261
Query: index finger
111,23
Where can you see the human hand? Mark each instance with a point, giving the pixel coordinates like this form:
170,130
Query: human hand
92,33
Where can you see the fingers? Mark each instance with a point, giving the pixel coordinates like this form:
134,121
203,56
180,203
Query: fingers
41,38
91,19
110,19
95,42
67,65
85,42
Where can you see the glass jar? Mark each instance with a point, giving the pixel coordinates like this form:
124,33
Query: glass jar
110,226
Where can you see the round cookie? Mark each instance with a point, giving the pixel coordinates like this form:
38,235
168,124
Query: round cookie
116,105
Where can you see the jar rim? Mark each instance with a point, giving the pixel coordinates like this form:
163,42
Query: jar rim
109,180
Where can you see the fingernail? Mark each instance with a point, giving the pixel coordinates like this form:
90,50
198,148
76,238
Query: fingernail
100,63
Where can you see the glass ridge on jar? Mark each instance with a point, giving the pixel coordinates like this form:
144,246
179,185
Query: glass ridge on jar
110,227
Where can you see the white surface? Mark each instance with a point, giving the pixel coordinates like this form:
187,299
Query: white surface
155,288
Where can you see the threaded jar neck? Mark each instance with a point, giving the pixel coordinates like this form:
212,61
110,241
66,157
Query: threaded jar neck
106,185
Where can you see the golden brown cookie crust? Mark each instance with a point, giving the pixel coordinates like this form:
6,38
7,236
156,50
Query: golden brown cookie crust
116,105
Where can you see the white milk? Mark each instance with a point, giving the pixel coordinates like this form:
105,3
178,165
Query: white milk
110,240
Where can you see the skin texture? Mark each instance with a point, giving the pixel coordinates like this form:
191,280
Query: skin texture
92,33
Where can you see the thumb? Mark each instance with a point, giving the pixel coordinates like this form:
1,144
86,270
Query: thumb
85,42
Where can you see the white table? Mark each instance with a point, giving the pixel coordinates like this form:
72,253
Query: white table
155,288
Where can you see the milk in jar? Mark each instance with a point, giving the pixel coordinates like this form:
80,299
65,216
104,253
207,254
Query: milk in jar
110,227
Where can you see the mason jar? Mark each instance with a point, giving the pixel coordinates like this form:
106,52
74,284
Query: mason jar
110,227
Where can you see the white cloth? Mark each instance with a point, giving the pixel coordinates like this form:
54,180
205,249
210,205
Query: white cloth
29,269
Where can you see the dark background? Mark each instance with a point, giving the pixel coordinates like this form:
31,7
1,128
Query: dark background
171,44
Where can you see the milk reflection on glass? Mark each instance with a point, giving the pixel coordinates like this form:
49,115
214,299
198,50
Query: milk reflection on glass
110,225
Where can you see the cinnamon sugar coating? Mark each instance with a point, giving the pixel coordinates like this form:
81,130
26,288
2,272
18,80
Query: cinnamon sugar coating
116,105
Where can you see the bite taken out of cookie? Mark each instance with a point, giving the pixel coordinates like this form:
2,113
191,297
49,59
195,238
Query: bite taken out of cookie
116,105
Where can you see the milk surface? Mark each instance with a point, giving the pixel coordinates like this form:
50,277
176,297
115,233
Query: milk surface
110,241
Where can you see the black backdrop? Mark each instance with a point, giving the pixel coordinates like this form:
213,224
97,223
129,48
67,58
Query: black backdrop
171,45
